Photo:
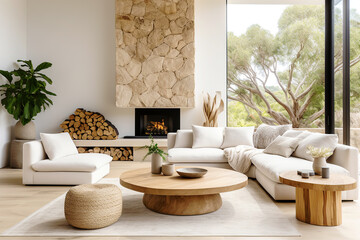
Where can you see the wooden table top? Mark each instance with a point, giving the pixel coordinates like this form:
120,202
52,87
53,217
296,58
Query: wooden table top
216,180
336,182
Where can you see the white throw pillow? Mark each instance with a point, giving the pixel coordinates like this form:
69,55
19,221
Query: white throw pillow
317,140
58,145
265,134
207,137
184,139
234,136
283,146
296,133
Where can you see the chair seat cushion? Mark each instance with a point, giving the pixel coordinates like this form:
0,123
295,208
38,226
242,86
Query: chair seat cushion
197,155
273,165
84,162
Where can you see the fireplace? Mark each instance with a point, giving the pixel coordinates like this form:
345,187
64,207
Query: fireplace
156,121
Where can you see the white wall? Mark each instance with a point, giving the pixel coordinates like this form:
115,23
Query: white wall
12,47
210,57
78,37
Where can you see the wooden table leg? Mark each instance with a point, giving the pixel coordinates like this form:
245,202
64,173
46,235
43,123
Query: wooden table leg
318,207
183,205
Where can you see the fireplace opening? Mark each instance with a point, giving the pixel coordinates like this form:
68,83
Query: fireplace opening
156,121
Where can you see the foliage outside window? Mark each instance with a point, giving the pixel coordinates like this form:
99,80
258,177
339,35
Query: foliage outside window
279,78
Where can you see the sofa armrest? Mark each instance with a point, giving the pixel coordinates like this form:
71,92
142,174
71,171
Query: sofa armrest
33,152
348,158
171,137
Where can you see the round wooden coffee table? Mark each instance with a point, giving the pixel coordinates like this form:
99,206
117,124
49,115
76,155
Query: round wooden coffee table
318,200
183,196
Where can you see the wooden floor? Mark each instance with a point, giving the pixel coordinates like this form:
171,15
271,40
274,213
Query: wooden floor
18,201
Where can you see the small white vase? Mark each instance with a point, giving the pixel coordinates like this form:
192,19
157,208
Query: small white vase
27,132
318,163
156,163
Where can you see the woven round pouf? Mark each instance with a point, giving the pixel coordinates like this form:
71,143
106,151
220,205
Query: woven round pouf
92,206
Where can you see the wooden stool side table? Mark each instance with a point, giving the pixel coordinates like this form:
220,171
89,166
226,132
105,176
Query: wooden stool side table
16,153
318,200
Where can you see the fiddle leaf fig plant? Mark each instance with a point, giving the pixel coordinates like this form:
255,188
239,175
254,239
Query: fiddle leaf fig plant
25,94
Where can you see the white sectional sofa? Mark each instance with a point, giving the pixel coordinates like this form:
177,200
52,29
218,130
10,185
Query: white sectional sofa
266,168
69,170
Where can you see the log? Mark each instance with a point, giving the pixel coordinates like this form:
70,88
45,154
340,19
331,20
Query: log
117,153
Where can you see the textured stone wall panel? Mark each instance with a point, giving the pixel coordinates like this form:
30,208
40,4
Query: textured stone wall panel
155,53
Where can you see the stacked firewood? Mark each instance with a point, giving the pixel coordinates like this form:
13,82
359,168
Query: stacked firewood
86,125
117,153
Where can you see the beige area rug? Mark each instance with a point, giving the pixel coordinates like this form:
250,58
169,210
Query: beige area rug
245,212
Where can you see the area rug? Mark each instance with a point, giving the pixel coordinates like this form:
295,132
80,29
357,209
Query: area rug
245,212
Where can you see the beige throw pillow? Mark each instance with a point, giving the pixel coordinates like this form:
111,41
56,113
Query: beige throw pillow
296,133
207,137
234,136
317,140
265,134
283,146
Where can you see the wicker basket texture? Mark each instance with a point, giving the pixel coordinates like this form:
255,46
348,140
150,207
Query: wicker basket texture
92,206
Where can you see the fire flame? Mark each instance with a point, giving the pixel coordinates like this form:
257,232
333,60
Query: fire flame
157,128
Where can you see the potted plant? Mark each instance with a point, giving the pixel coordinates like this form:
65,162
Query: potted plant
319,155
25,96
157,155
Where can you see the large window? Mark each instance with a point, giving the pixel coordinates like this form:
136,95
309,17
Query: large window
355,73
276,64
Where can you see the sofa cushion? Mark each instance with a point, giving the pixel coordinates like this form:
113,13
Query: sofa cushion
273,165
265,134
283,146
197,155
58,145
184,139
234,136
316,140
84,162
207,137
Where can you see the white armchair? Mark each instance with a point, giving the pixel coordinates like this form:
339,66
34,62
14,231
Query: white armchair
70,170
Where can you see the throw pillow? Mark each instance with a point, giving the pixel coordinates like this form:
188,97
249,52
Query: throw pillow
296,133
317,140
184,139
207,137
283,146
58,145
235,136
265,134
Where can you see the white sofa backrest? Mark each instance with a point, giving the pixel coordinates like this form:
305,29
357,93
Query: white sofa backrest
171,138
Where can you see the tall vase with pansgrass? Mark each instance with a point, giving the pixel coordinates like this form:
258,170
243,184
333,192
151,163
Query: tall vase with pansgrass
157,156
25,95
319,155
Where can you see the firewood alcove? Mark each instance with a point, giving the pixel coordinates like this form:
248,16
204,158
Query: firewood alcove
87,125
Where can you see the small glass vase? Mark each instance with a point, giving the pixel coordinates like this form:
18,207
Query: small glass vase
156,163
318,164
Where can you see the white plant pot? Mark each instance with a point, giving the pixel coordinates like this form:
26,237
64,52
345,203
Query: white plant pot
168,169
27,132
156,163
318,164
